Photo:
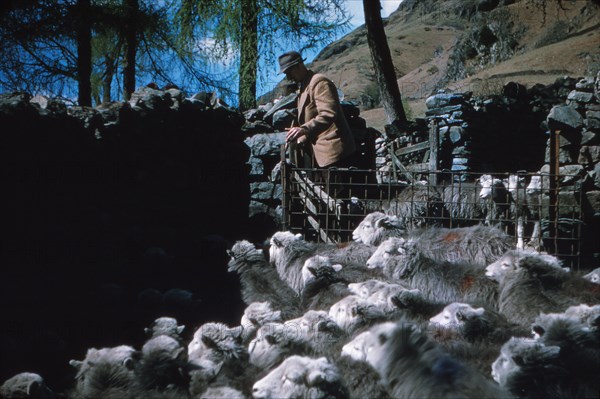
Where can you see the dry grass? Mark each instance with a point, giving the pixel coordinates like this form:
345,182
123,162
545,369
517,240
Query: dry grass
421,48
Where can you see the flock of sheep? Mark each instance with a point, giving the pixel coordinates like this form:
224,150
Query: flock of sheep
395,313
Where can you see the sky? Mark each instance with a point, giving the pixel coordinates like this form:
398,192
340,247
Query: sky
355,8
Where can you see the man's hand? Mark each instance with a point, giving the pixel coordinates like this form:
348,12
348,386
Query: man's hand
295,133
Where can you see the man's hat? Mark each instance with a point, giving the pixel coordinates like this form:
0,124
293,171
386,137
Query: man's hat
289,59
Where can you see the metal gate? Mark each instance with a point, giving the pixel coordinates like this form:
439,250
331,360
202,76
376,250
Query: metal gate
326,205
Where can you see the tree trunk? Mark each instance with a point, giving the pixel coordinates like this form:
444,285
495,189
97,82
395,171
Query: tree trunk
84,53
382,63
132,7
109,73
249,54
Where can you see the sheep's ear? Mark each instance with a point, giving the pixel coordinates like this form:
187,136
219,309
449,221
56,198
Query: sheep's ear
337,268
384,222
276,242
312,270
518,359
397,302
34,388
129,363
75,363
237,331
180,329
271,339
479,311
382,338
460,316
539,330
315,378
326,326
179,353
209,342
298,236
357,311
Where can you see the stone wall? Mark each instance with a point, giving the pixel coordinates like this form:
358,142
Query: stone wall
102,204
511,132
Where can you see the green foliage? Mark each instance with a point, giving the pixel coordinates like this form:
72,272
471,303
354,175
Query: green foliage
371,97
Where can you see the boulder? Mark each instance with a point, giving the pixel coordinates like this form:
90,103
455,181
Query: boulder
563,117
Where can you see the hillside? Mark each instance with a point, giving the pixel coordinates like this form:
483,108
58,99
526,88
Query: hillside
468,45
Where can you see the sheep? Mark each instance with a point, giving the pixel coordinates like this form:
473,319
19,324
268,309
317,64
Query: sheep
414,366
360,379
394,298
463,205
377,227
221,393
593,276
26,386
273,343
325,283
533,196
526,203
106,372
417,205
478,245
476,323
163,365
365,289
588,315
579,347
530,369
495,192
519,275
288,252
545,278
259,281
218,357
165,326
317,329
256,315
301,377
354,312
441,281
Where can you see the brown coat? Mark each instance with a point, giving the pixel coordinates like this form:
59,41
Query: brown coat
320,112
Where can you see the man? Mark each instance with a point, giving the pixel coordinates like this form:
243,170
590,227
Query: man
320,115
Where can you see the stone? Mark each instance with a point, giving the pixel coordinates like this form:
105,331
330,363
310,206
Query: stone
596,175
568,173
593,202
287,102
12,103
590,138
283,119
256,166
266,144
589,154
444,111
585,84
265,191
592,124
564,117
580,96
565,155
255,114
150,99
444,99
455,134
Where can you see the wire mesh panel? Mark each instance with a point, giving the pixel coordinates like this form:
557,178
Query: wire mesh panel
542,212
